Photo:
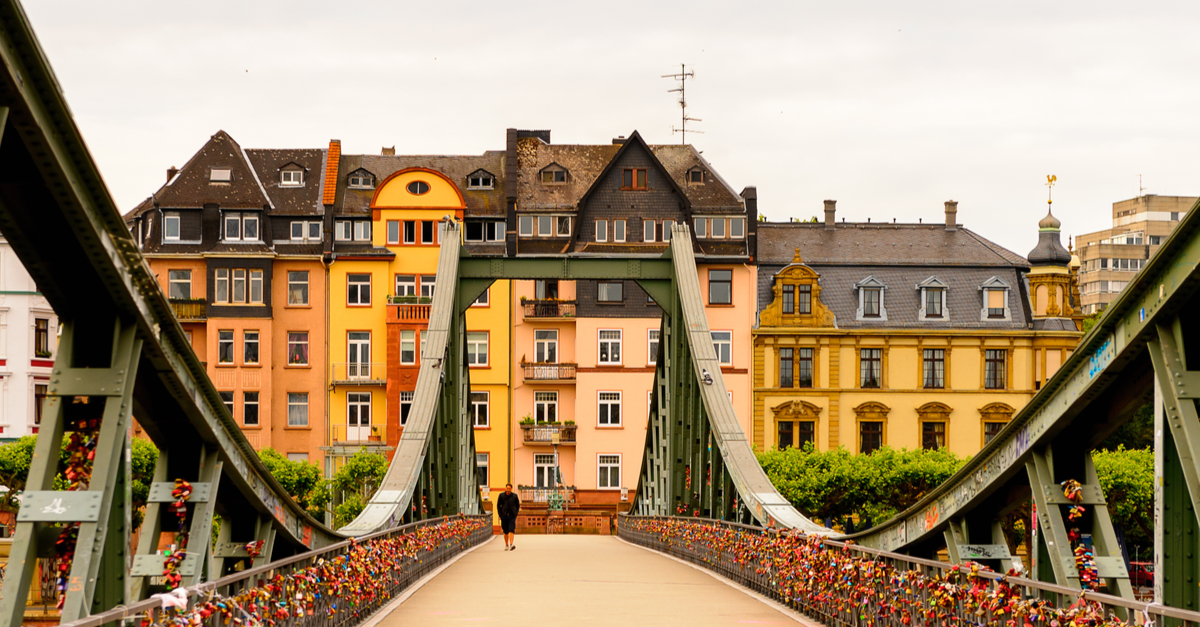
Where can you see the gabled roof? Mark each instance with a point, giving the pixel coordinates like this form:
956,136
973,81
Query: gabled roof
870,281
994,282
880,244
192,188
293,200
635,139
932,281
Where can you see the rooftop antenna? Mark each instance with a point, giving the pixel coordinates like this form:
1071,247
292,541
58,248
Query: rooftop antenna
1141,190
682,77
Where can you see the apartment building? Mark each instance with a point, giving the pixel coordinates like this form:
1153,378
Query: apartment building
28,345
1109,259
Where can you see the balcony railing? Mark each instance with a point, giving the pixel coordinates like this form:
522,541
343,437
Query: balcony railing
549,372
549,308
347,434
532,494
359,373
408,309
188,309
543,433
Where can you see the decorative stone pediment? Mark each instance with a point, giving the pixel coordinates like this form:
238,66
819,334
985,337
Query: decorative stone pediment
796,274
934,411
796,410
872,410
996,411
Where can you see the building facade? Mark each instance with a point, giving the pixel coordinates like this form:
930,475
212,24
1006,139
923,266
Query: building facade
905,335
28,346
1110,258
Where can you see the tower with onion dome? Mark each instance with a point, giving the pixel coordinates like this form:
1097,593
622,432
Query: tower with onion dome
1050,273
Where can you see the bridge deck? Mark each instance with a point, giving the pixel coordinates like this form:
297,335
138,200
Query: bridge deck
579,580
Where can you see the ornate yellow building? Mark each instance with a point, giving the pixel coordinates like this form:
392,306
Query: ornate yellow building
906,335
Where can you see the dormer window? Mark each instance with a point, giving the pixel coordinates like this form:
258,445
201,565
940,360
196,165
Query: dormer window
220,175
481,179
241,226
933,299
291,177
554,174
361,179
870,299
633,178
995,300
695,176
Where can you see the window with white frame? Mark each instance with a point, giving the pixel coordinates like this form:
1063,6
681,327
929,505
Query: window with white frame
525,226
241,226
608,406
297,287
479,408
250,347
652,336
358,289
667,226
870,299
723,345
609,472
227,400
545,226
481,179
171,221
718,227
291,177
428,283
179,284
562,226
408,347
406,285
220,175
648,230
410,231
483,299
618,230
610,291
610,346
933,299
428,228
361,179
297,347
358,409
737,228
601,230
225,346
477,348
297,409
481,469
545,346
545,406
406,402
393,232
306,231
362,230
995,299
701,227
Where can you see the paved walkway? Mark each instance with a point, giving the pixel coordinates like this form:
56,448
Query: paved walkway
578,580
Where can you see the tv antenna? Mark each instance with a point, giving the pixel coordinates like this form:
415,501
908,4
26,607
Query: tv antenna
682,77
1141,190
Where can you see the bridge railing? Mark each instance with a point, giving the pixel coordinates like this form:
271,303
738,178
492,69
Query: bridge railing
843,583
341,584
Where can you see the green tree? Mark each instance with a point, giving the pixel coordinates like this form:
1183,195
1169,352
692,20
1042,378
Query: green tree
348,509
1127,478
1090,321
15,458
301,480
361,475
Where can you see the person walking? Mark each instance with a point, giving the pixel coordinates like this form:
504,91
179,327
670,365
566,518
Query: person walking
508,506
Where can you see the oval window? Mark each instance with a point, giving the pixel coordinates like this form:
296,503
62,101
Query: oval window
417,188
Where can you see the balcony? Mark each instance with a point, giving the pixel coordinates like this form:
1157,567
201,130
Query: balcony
347,434
549,309
549,373
545,433
531,494
359,373
409,309
190,309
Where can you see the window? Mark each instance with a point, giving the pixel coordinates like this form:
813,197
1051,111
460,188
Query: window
804,299
609,409
477,348
545,226
306,231
291,178
737,228
179,284
870,436
609,467
933,302
473,232
787,359
427,231
652,336
358,355
241,226
393,231
361,179
545,406
171,227
250,409
256,286
298,348
871,302
935,368
618,230
696,176
481,180
406,401
786,434
250,347
428,283
544,289
481,469
297,409
362,231
718,227
871,368
417,188
343,230
789,299
39,399
358,289
720,287
1155,240
225,346
610,291
648,229
633,178
796,433
804,367
545,346
564,226
358,410
298,287
525,226
227,400
723,345
991,430
994,369
554,176
408,347
406,285
701,227
233,291
933,435
601,230
239,285
667,226
996,303
610,346
479,408
220,175
494,231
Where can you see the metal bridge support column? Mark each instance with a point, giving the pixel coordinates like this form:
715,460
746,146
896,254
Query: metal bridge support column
1179,571
93,380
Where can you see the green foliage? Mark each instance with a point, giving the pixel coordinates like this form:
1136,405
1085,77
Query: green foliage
145,458
301,480
361,475
835,484
1090,321
1127,477
1136,433
15,458
348,510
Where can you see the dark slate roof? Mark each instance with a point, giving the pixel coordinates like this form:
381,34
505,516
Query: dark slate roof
883,244
489,202
284,248
192,187
1054,324
902,299
303,200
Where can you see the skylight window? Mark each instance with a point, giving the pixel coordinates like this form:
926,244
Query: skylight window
220,175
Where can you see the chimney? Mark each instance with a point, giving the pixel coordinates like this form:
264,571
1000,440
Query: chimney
951,215
388,151
171,172
830,210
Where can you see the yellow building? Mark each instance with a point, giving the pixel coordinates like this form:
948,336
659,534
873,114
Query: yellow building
905,335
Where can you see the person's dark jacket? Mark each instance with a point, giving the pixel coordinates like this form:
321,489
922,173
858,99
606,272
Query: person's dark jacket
508,505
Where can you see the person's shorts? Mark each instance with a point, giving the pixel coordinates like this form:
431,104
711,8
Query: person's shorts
508,525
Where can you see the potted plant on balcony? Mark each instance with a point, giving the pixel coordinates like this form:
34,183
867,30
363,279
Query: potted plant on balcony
569,423
527,421
425,300
41,354
404,300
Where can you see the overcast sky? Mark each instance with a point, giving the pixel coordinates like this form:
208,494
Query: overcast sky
889,107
